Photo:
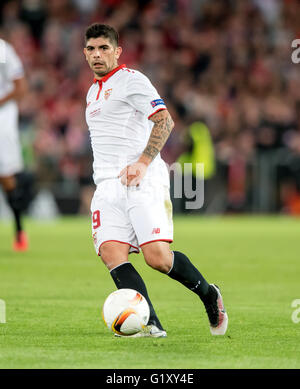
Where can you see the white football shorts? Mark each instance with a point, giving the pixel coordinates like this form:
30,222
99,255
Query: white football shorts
11,161
132,215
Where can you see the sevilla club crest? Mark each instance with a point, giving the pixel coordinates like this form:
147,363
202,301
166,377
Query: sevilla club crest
107,93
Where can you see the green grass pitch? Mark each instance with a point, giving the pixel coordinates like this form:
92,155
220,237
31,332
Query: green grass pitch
54,294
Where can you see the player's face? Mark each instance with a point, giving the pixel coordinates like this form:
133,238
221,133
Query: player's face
101,55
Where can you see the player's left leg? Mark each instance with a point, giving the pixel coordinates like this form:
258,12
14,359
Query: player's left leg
177,266
15,201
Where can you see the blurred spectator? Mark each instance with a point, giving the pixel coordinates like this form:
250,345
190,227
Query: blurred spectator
224,62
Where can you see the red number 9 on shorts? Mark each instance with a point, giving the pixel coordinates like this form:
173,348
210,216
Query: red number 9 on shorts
96,219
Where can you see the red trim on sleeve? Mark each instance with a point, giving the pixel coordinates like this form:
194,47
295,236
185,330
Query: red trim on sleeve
157,240
159,109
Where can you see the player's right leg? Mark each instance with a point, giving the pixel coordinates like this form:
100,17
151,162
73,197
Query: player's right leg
10,164
14,199
115,256
114,239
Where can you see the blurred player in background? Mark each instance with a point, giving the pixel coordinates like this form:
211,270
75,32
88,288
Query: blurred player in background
131,208
12,87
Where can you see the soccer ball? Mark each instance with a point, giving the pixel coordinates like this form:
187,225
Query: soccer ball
125,312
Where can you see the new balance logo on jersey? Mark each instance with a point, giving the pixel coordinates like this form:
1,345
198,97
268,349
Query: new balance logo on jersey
156,231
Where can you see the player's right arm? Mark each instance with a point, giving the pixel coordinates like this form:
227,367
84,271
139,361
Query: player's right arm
14,73
19,90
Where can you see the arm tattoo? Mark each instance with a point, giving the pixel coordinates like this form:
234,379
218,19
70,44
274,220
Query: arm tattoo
163,125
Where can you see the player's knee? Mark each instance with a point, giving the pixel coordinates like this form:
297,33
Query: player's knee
109,258
159,260
8,183
112,257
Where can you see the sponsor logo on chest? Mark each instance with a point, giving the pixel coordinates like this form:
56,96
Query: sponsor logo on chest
94,111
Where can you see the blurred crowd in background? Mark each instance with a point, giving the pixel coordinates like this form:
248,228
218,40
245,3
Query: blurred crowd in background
226,64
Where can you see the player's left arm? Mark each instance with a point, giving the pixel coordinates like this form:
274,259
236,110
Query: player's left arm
19,90
163,125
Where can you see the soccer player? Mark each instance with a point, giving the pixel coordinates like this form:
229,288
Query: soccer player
131,208
12,87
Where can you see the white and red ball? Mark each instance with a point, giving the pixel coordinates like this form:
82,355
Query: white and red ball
125,312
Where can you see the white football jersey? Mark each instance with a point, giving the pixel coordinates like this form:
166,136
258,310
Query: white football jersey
11,69
119,107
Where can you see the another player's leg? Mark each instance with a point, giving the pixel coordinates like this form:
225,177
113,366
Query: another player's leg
124,275
177,266
15,201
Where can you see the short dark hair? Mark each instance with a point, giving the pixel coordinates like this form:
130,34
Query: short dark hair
96,30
